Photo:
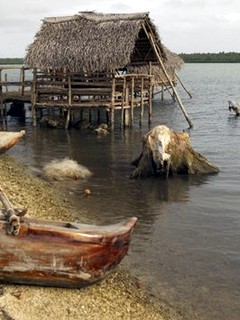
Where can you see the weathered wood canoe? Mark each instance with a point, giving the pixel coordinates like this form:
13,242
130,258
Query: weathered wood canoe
8,139
59,254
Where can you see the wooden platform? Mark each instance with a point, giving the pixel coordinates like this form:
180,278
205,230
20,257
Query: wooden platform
70,92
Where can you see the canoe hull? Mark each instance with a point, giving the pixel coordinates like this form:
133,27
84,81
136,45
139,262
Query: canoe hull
9,139
62,256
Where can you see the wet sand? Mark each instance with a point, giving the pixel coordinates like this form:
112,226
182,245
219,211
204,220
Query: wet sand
119,296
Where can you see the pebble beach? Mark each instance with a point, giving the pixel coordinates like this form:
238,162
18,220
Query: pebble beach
119,296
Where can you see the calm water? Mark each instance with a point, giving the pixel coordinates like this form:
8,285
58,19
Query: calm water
186,245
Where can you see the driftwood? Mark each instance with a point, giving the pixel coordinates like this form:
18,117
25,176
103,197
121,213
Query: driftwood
168,152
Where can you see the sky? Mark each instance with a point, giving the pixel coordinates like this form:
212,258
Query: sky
185,26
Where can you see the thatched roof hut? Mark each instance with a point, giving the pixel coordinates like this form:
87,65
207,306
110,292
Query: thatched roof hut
90,42
77,59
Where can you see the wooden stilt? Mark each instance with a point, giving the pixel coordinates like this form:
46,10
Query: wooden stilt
69,102
6,80
34,96
123,101
1,97
142,102
67,118
22,79
132,102
150,102
126,109
112,104
162,93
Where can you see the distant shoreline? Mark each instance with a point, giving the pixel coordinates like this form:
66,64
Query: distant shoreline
220,57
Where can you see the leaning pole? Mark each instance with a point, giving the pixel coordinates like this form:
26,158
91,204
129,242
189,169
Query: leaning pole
150,37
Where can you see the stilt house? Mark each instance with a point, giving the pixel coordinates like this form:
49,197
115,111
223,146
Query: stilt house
99,61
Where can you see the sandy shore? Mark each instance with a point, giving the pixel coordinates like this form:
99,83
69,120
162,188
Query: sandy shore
117,297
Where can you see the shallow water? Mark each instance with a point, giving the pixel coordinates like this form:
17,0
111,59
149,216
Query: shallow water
186,244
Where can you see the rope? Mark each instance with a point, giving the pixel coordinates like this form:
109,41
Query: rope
10,214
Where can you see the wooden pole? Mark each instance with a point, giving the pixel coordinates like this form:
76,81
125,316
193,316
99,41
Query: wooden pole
142,103
132,102
22,79
1,95
69,101
162,93
112,103
150,102
34,97
123,101
183,85
126,110
6,80
150,37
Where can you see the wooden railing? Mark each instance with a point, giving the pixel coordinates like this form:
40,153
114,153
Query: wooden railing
15,81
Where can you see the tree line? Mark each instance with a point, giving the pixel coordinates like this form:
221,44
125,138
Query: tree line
221,57
11,60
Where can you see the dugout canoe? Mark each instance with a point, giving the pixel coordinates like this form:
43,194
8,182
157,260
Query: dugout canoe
59,254
8,139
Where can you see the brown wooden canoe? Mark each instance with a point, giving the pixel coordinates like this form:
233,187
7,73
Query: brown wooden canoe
61,254
8,139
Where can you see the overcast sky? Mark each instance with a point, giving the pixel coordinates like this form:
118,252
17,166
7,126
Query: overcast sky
184,25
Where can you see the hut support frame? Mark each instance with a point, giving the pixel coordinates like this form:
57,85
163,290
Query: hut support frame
150,36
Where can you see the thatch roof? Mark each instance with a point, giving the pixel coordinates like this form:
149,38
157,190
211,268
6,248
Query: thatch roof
90,42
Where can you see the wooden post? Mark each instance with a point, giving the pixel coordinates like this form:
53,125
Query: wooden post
142,102
22,79
112,103
150,37
126,110
1,95
6,80
123,101
132,102
34,97
162,93
150,101
69,101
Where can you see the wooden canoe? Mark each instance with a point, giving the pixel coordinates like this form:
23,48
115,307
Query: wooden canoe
8,139
59,254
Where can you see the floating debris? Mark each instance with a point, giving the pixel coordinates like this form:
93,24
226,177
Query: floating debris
66,168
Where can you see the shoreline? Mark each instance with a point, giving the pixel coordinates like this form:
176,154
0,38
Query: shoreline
119,296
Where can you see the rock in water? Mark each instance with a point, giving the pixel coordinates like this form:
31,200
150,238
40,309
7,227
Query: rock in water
235,106
66,168
168,152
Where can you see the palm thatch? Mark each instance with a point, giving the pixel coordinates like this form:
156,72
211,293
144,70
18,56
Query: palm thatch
172,63
90,42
